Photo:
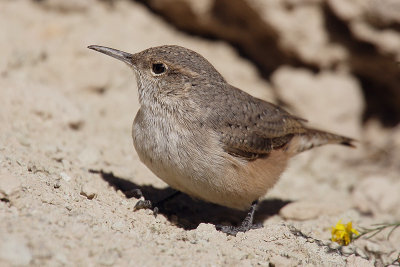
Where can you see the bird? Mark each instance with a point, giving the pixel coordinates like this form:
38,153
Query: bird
207,138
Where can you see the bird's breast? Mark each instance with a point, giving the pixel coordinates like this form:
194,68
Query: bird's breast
194,162
182,157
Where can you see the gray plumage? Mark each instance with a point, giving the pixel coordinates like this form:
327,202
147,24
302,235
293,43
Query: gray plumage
205,137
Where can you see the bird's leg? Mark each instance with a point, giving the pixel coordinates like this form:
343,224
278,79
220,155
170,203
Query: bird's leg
146,204
245,226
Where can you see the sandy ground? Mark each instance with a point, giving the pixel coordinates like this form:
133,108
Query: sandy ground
68,168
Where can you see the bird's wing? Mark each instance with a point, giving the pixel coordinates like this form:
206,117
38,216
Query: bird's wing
252,128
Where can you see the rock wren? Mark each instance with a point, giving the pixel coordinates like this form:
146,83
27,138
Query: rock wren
207,138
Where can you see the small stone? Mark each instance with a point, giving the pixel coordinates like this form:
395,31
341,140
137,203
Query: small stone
88,191
334,245
361,253
57,184
76,125
347,250
32,167
23,140
65,176
9,184
326,242
375,248
205,232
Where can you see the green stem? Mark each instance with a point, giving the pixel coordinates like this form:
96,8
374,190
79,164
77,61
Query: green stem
377,230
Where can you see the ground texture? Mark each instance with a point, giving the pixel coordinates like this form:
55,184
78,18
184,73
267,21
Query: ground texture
68,169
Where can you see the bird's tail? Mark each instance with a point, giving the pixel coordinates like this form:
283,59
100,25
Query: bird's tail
314,138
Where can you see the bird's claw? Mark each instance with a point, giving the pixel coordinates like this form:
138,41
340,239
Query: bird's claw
146,204
233,230
143,204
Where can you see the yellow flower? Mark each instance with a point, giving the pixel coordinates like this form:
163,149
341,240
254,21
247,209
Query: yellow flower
343,234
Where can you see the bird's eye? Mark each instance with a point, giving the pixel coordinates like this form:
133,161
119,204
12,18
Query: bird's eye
159,68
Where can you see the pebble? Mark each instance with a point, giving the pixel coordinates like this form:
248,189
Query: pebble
88,191
23,140
376,248
372,247
65,176
39,168
57,184
347,250
76,124
361,253
204,234
334,245
9,184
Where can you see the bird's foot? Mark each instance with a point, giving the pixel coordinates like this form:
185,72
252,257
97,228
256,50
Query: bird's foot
233,230
136,193
146,204
143,204
245,226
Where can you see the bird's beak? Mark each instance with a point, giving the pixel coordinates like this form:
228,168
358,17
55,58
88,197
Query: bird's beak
123,56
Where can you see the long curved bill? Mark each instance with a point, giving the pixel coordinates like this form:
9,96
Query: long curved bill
120,55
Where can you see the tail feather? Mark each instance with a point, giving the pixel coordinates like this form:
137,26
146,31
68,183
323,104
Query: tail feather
314,138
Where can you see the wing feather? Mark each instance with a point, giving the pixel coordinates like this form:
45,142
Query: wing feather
250,127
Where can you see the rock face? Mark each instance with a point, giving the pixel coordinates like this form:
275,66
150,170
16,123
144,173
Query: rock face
358,37
331,101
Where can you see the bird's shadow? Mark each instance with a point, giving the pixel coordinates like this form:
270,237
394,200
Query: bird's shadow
187,212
